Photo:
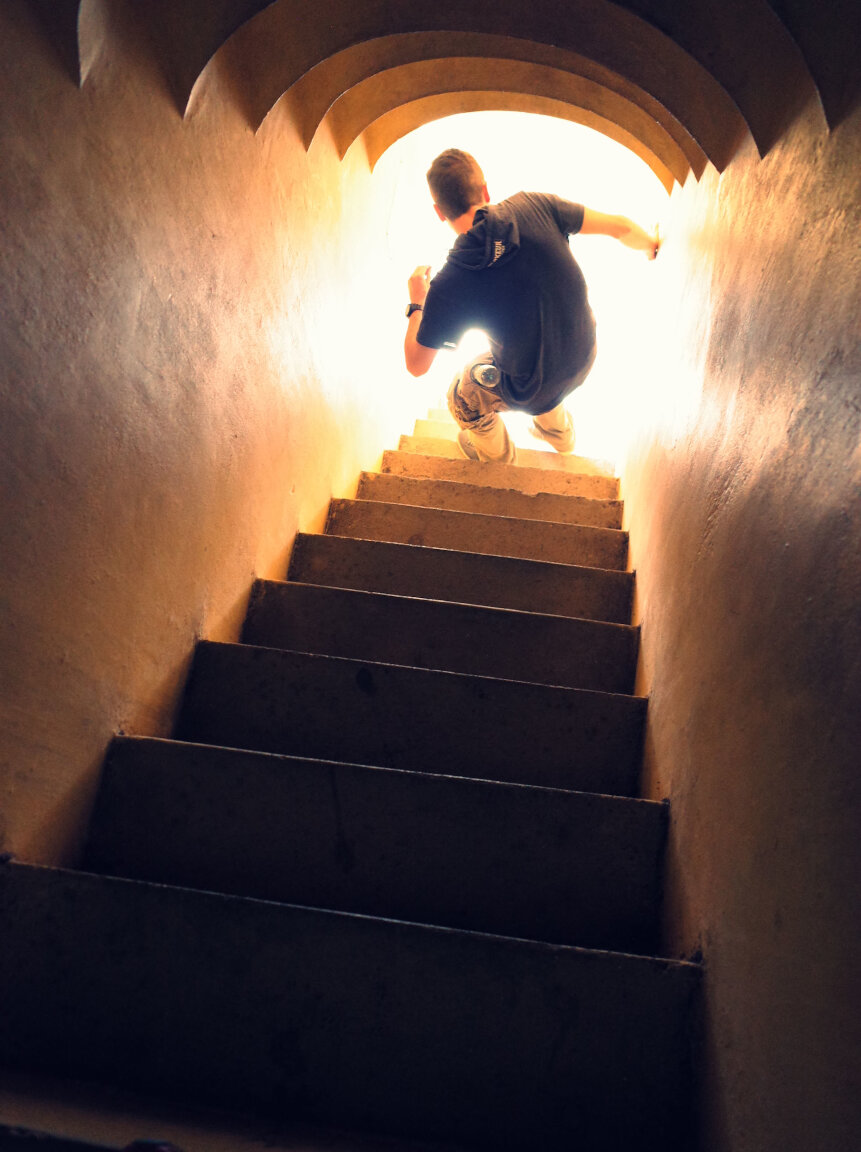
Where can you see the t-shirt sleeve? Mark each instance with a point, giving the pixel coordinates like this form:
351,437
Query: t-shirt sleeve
569,216
443,323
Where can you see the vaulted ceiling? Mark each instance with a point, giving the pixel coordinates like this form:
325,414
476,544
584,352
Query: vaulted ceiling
681,82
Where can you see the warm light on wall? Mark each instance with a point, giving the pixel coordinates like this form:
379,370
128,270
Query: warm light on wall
539,153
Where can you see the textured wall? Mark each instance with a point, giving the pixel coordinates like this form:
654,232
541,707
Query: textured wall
184,357
743,491
184,367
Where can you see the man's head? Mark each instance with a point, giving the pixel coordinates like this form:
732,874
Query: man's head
456,183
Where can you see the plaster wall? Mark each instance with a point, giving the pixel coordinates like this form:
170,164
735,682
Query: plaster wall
742,490
186,376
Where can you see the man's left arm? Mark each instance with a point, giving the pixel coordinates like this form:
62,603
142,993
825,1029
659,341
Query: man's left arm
418,358
622,229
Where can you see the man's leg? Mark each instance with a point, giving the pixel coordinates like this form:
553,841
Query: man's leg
556,427
475,406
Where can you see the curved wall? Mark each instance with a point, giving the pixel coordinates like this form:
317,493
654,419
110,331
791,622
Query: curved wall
184,359
183,313
742,490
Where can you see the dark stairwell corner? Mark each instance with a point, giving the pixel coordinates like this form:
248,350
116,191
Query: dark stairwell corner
385,847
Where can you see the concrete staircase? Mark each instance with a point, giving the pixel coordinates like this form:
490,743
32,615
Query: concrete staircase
392,872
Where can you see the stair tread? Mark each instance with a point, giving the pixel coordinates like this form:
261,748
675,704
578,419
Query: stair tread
458,495
479,532
503,643
274,700
411,1028
539,458
467,577
518,478
513,859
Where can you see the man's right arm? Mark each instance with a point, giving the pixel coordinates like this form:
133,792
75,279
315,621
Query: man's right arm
620,228
417,357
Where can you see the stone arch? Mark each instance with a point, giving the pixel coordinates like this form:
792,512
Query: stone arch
311,97
270,53
409,84
391,126
828,34
714,68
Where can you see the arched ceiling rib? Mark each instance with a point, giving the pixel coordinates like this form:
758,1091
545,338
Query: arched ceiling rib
271,52
389,90
313,95
714,67
828,33
58,22
746,48
187,34
393,125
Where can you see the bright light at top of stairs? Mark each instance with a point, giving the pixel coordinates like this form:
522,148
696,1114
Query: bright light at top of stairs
540,153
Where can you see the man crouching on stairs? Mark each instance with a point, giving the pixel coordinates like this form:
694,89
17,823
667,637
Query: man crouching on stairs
512,275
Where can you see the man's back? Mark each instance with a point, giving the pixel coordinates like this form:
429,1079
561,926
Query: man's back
513,276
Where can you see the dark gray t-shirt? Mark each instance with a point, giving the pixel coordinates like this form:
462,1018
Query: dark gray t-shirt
513,276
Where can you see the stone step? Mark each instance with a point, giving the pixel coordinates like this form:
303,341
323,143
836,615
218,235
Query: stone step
362,712
116,1117
530,481
476,532
465,577
538,863
286,1011
15,1139
442,415
432,429
540,458
460,497
445,636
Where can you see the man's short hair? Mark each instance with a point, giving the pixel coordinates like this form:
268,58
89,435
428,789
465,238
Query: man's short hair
455,181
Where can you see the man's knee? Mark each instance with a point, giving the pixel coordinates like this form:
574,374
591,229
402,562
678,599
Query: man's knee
464,409
460,410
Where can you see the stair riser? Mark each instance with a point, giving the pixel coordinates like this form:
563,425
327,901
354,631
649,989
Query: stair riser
364,713
535,863
527,480
461,497
444,636
489,535
299,1013
544,460
463,577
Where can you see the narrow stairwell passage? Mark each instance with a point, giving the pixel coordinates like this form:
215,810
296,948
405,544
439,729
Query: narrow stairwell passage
392,872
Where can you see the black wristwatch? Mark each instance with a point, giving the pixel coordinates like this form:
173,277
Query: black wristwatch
413,308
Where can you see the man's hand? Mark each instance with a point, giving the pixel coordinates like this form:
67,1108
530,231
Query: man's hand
654,244
419,283
623,229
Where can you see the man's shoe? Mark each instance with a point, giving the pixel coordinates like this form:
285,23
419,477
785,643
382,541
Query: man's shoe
562,441
466,446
